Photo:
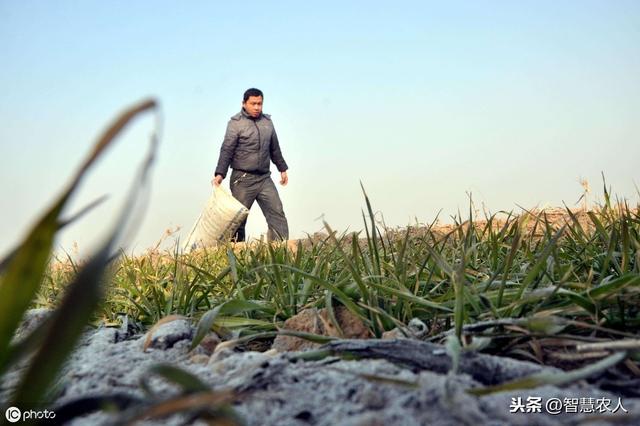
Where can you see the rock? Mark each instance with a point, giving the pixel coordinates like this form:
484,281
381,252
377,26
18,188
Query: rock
318,322
351,325
395,333
239,367
220,354
387,382
209,343
101,365
128,329
165,335
199,359
30,320
307,321
415,330
418,328
271,352
371,398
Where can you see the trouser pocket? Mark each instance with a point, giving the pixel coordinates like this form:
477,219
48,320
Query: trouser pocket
235,179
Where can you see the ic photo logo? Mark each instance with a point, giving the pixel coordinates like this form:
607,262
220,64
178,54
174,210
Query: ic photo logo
13,414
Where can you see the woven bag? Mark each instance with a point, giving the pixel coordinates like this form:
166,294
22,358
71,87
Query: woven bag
221,217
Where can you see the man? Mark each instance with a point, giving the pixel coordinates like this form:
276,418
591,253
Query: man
249,146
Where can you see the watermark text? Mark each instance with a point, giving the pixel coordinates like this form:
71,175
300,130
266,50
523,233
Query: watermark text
14,415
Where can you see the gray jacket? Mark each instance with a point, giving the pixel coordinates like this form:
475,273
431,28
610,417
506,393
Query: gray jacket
250,144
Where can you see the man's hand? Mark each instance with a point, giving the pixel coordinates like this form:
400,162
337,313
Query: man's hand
217,180
284,179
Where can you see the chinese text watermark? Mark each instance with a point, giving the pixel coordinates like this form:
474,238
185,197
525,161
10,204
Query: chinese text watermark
554,406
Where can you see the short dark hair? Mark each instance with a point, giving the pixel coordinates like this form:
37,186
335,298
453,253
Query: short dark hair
252,92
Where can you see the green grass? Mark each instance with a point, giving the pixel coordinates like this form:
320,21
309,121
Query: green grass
573,277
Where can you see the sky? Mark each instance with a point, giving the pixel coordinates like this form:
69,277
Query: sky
425,103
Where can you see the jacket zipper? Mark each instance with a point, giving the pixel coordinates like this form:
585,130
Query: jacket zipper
259,138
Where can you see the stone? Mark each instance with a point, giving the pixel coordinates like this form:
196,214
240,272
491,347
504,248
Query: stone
415,330
319,322
271,352
199,359
166,335
387,382
418,328
209,343
352,326
307,321
394,333
31,319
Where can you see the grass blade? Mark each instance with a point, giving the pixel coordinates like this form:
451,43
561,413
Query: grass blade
23,276
69,320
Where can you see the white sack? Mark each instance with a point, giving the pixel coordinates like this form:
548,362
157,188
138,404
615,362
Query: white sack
218,221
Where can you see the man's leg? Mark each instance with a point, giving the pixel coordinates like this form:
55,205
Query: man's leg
270,204
245,190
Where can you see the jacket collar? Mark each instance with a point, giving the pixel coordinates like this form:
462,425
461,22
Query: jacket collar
246,115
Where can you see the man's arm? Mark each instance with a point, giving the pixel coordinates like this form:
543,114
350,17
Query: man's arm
226,151
276,154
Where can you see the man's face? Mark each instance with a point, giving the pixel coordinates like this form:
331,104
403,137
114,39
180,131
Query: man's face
253,106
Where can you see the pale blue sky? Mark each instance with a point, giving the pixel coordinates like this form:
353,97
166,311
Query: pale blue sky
512,101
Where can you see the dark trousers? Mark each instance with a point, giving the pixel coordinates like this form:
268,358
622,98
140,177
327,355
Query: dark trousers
250,187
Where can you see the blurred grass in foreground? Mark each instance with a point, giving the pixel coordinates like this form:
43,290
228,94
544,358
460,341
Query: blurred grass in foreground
27,278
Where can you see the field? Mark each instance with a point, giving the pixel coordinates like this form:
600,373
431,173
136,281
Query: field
533,286
557,287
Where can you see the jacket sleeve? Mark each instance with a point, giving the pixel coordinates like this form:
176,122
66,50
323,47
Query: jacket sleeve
276,154
228,149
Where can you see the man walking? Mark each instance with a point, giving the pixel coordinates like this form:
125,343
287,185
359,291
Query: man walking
249,146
